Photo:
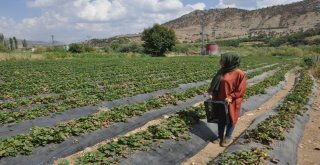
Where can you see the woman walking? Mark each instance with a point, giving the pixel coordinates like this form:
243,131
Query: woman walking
229,84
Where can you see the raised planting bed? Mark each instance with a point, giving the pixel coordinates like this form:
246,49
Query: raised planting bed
79,101
86,126
276,133
171,151
47,121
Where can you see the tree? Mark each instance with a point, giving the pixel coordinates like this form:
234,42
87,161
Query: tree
15,43
1,38
5,43
158,40
11,44
24,43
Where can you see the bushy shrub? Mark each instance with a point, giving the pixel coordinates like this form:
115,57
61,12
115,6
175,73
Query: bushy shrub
181,48
115,45
3,48
88,48
80,48
134,48
107,49
75,48
308,61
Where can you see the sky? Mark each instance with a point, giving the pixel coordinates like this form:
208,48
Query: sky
77,20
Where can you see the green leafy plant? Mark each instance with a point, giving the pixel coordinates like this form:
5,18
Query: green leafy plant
255,156
158,40
275,126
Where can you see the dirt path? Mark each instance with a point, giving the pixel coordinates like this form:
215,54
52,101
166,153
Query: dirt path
309,147
213,150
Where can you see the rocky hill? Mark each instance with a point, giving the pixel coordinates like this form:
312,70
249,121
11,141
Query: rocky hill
231,22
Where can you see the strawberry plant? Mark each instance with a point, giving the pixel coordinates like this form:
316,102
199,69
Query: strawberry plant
274,127
86,124
255,156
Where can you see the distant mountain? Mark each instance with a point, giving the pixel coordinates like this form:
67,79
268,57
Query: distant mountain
119,39
232,22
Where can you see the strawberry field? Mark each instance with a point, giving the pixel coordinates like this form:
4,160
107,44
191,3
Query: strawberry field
83,111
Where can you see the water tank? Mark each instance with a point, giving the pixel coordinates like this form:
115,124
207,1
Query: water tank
212,49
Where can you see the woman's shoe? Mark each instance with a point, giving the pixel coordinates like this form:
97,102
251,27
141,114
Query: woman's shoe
216,141
226,142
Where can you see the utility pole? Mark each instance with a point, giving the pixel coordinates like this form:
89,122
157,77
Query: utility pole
202,23
52,38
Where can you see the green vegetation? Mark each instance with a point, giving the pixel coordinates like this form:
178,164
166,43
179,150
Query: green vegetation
158,40
264,40
273,80
44,90
255,156
38,136
10,44
177,127
80,48
274,127
113,151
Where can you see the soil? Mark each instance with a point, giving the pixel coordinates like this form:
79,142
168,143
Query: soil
213,150
71,158
309,147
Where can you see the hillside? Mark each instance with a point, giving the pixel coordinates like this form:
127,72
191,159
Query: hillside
231,22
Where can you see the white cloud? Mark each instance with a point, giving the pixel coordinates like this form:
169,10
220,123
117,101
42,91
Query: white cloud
6,25
241,4
197,6
75,19
226,4
267,3
101,10
42,3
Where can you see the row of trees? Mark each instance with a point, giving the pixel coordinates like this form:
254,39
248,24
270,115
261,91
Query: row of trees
10,44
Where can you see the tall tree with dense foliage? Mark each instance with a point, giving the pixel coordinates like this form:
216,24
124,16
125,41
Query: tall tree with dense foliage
11,44
1,38
158,40
15,43
24,43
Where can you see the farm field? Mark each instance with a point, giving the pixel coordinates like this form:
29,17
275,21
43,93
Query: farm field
137,110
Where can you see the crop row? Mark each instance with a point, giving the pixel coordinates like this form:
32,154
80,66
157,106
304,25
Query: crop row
24,143
176,127
255,156
107,93
102,94
113,151
273,80
275,126
73,102
43,77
